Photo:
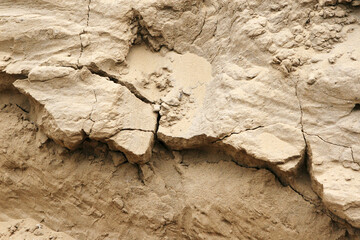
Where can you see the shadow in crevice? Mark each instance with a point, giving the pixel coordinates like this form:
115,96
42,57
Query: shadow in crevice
356,108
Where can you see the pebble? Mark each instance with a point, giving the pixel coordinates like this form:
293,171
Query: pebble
118,202
332,60
156,108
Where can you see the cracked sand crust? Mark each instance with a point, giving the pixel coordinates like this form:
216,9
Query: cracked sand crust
273,85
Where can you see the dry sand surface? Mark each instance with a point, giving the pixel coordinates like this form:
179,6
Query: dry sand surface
186,119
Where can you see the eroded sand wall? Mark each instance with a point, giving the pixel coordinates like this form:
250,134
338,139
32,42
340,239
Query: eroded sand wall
181,119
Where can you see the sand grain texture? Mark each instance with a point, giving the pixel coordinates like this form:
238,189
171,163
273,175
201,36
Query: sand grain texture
180,119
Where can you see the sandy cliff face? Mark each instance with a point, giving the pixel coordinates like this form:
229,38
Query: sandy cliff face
180,119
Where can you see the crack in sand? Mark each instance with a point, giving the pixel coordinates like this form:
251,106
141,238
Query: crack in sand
336,144
234,133
117,81
83,32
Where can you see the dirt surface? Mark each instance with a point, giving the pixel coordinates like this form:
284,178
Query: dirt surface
181,119
196,194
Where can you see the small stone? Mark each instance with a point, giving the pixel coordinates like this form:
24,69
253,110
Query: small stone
252,73
355,167
38,233
299,38
308,43
156,108
118,202
165,106
312,79
332,60
315,60
168,216
173,102
186,92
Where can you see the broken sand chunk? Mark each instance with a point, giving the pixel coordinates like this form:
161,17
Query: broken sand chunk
80,105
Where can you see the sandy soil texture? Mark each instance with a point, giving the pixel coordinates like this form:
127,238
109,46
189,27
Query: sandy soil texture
183,119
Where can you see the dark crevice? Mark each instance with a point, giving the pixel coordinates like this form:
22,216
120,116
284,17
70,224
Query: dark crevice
157,126
234,133
162,144
93,148
126,159
356,107
115,80
346,3
303,171
301,121
88,14
352,156
23,109
308,20
304,197
259,168
154,42
301,109
13,76
142,31
136,129
256,168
